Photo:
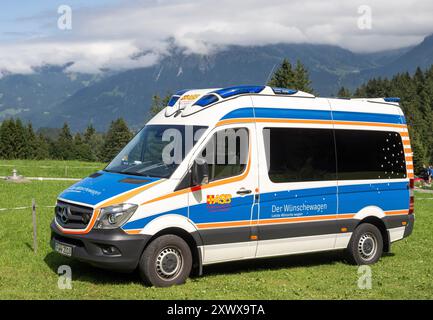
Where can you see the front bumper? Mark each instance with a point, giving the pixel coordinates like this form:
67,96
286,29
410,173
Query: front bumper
96,247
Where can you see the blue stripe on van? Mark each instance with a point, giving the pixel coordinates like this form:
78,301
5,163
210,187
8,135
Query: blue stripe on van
352,198
306,114
387,196
368,117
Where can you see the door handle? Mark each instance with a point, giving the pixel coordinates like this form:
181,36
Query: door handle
243,191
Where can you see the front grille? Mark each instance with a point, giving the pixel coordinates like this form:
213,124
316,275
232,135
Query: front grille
72,216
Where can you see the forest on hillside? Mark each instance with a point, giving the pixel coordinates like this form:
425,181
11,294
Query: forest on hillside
20,141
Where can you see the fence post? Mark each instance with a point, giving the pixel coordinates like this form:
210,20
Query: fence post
35,240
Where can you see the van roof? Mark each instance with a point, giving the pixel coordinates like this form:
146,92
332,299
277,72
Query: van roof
192,101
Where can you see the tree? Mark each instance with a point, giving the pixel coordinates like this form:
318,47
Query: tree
416,93
94,141
302,81
159,103
64,146
42,148
13,144
89,133
287,77
6,142
344,93
19,140
284,77
117,137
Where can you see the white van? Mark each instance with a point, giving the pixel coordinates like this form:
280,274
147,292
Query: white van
240,173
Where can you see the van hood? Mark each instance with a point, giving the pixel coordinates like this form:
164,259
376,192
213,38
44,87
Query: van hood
102,186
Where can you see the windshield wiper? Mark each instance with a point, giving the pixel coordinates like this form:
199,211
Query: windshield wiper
138,174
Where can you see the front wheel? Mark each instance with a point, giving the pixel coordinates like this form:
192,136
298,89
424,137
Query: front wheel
366,245
166,261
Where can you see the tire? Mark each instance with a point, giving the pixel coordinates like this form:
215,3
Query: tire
166,261
365,245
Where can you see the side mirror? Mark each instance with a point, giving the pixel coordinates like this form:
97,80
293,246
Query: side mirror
200,172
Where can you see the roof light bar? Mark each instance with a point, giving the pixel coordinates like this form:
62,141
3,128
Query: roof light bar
174,98
284,91
206,100
392,99
234,91
173,101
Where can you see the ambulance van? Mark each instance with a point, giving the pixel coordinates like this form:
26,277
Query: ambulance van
240,173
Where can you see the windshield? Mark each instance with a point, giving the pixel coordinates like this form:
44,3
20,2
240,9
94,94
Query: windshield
156,151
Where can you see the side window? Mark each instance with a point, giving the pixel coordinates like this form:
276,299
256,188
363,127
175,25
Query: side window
363,154
227,153
299,154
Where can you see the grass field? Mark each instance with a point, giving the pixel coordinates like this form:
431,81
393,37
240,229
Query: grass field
50,168
406,273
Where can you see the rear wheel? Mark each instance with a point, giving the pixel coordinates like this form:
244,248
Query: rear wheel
366,245
166,261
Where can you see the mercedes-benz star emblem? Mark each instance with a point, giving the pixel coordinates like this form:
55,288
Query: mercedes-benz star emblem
64,214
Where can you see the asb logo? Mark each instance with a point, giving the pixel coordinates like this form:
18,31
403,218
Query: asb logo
219,199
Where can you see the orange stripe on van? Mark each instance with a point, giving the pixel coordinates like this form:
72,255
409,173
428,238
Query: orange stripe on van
370,124
224,224
396,212
209,185
296,219
303,121
133,231
245,223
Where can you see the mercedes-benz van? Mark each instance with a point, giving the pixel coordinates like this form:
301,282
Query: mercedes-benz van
241,173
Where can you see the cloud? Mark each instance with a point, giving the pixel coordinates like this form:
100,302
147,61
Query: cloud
134,34
88,57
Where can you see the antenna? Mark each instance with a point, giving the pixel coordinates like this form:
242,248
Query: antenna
269,75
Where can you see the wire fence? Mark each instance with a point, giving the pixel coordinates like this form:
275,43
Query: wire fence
47,167
24,208
39,171
47,178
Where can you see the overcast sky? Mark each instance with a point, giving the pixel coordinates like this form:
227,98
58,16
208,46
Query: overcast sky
127,34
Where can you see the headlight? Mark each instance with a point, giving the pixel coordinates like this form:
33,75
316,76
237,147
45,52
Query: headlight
115,216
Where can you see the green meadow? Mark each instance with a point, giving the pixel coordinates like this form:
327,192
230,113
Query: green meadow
405,273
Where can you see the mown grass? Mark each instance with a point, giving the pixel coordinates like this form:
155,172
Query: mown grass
406,273
50,168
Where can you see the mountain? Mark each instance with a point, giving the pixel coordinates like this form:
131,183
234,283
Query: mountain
52,96
128,94
33,97
396,61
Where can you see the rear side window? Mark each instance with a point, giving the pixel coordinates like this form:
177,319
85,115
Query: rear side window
365,154
297,154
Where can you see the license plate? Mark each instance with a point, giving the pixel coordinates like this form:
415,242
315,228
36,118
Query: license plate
63,249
